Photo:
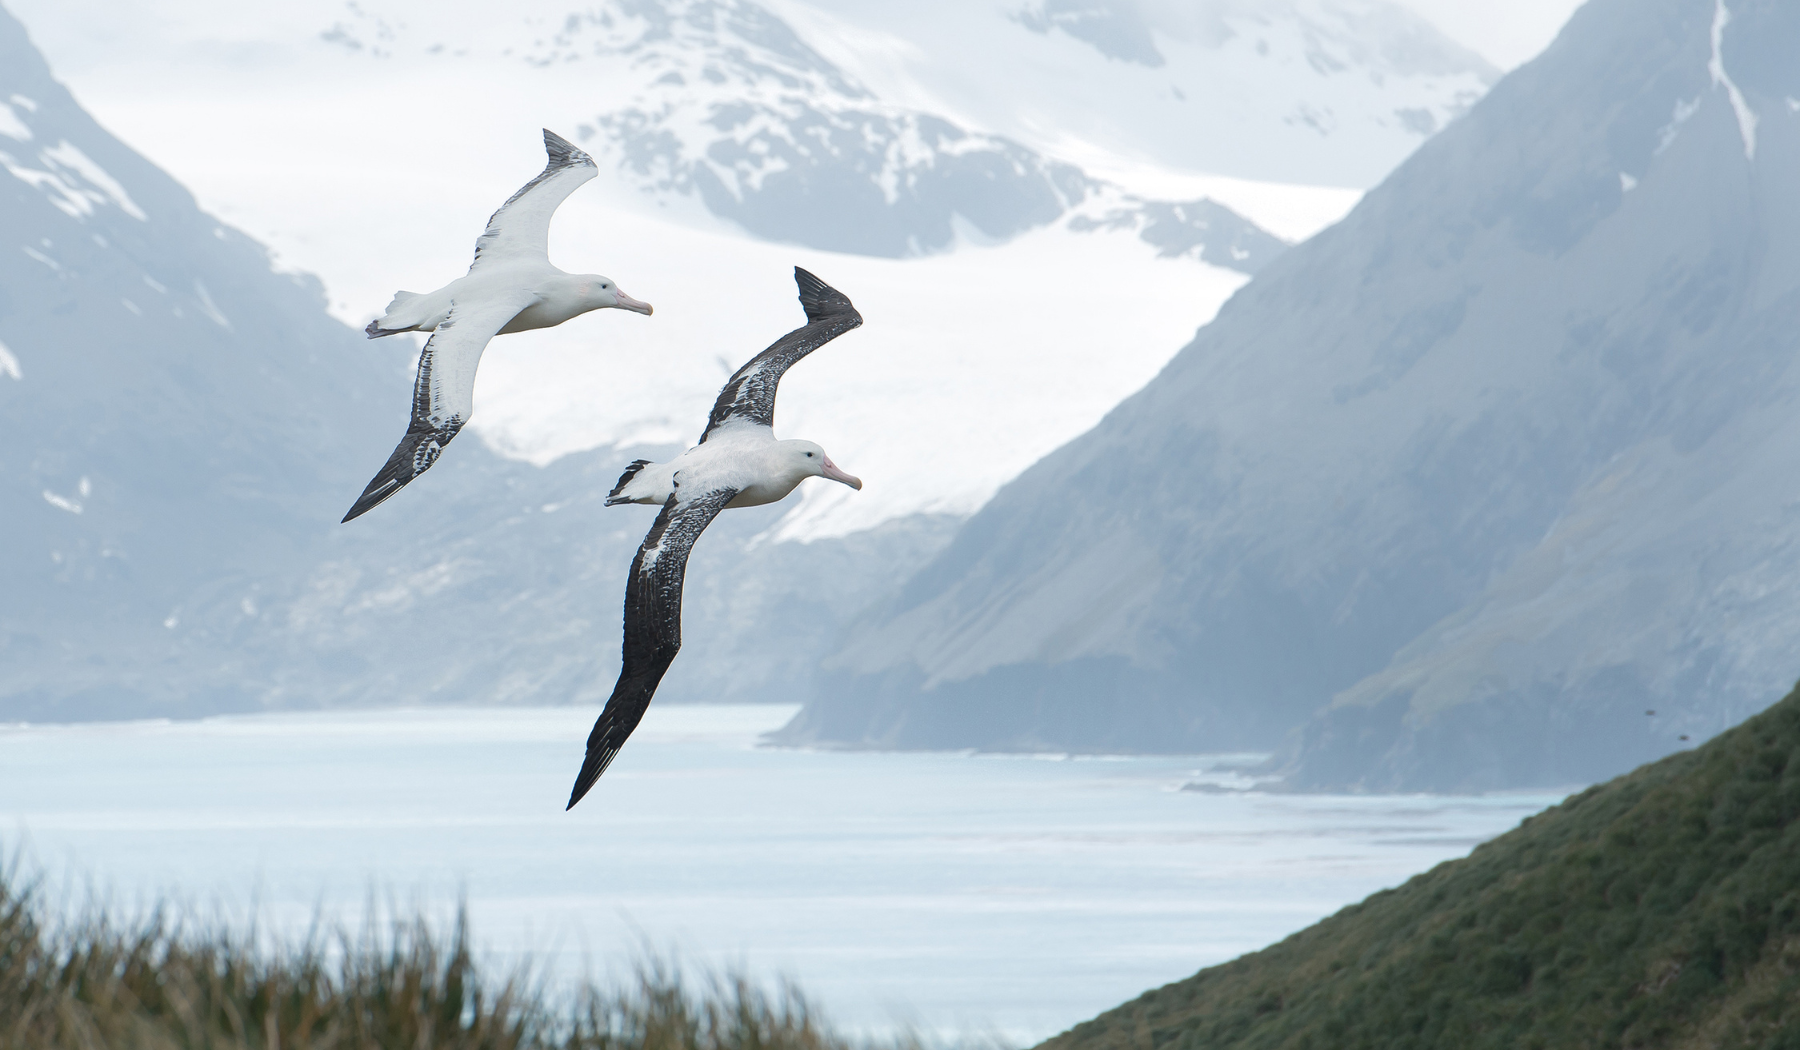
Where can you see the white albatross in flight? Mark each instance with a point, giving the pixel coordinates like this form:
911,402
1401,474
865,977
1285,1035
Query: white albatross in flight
738,463
510,287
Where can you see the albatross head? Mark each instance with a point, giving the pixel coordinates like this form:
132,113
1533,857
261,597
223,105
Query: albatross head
600,292
810,461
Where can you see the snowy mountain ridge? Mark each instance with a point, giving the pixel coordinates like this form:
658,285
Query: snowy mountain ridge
370,141
722,101
181,427
1331,92
73,183
186,557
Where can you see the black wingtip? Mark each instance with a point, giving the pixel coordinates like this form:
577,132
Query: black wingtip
585,780
373,496
414,455
819,299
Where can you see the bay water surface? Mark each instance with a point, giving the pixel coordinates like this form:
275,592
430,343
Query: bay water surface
962,894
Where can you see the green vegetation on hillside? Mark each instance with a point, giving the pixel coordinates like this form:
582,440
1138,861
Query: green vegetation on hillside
94,986
1660,909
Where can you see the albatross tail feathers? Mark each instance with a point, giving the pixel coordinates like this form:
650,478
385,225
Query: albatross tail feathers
392,321
632,471
819,299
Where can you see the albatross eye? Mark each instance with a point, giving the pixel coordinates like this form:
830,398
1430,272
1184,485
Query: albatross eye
809,455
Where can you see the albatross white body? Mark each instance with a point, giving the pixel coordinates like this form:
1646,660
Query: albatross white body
747,459
738,463
555,297
510,287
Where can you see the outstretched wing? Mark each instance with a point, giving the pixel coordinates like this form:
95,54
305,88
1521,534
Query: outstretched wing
652,624
443,392
749,395
522,225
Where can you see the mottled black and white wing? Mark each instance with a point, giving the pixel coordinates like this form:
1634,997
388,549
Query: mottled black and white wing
652,625
521,228
748,398
443,392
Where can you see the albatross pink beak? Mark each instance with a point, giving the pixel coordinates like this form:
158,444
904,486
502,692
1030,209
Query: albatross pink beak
636,306
834,472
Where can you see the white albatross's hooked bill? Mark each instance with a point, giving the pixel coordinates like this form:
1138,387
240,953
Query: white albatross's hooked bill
510,287
738,463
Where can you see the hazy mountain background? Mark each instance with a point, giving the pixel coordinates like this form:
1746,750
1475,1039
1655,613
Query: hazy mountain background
1465,486
184,418
1379,515
1295,91
173,415
366,142
180,424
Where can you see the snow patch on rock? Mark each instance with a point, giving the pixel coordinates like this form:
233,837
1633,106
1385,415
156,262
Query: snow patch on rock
11,126
1746,117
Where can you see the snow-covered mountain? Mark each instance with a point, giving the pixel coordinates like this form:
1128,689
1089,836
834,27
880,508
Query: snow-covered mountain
723,102
1012,297
368,143
181,427
1461,489
368,140
736,104
1333,92
1021,307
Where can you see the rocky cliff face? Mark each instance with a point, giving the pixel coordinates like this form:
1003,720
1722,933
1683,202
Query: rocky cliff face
1463,486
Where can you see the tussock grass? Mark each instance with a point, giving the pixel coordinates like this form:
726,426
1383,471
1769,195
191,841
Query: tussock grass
161,984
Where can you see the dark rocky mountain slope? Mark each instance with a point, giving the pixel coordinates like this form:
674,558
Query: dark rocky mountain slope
1462,486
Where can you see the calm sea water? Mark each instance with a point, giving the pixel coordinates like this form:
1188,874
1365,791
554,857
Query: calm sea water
965,894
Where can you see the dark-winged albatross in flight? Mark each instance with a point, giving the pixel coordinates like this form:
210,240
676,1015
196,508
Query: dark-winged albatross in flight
510,287
738,463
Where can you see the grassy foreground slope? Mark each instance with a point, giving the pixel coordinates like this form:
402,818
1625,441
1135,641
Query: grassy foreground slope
1660,909
151,985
